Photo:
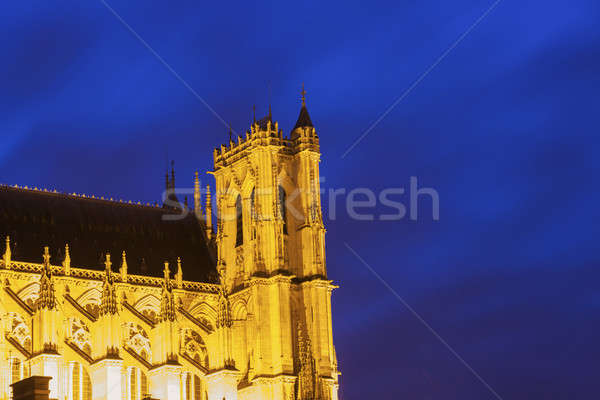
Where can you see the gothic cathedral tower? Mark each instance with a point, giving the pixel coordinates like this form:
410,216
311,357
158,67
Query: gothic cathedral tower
270,244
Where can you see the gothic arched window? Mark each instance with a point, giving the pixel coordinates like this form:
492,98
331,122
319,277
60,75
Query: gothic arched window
282,207
239,237
252,205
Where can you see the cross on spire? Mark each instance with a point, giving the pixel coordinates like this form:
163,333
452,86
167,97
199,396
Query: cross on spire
303,94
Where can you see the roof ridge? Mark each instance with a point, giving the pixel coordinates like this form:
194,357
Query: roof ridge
84,196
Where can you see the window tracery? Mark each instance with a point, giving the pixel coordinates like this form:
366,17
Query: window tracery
18,330
193,346
137,340
79,334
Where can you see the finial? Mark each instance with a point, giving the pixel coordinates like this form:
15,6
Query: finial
179,275
46,256
254,113
67,260
229,132
303,93
123,266
7,253
270,116
166,271
108,263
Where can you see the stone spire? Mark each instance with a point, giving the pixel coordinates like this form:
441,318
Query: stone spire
67,261
303,119
108,301
167,184
47,299
167,303
7,254
172,174
170,198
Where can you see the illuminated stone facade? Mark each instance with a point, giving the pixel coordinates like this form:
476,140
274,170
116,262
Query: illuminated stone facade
261,329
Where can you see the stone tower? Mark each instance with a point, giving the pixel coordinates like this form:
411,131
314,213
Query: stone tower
270,243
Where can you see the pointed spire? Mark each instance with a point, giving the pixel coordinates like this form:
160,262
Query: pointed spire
67,260
254,113
172,174
303,119
197,199
7,253
230,132
270,114
47,297
123,269
179,274
167,184
108,301
173,201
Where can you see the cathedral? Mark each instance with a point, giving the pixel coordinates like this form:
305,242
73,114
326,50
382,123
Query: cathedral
115,300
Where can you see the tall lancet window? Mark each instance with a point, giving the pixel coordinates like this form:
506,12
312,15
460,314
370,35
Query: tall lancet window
252,205
239,237
282,207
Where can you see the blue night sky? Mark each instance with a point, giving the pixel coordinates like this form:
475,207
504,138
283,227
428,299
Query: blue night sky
504,128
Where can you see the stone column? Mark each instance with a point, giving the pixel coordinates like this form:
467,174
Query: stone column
223,384
106,379
165,382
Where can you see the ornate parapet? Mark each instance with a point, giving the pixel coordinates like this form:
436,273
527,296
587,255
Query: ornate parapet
90,274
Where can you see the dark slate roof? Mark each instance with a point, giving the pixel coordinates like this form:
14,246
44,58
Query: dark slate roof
262,123
303,119
34,219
